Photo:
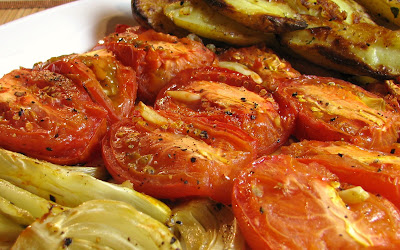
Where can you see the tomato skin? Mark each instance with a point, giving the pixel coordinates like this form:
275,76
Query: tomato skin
217,134
155,57
262,60
339,111
46,116
166,163
375,171
282,203
245,104
107,81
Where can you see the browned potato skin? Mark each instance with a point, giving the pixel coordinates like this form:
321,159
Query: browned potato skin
336,34
386,11
201,19
149,13
264,22
321,12
336,47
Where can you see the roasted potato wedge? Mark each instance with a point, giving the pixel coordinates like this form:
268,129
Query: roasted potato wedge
358,49
197,17
285,16
339,35
320,13
387,9
150,13
266,16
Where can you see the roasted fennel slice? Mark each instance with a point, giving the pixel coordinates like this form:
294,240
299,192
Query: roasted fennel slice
267,16
71,188
98,224
30,205
358,49
15,213
205,224
9,231
197,17
98,172
18,209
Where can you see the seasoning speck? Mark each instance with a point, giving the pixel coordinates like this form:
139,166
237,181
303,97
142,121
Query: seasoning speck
67,241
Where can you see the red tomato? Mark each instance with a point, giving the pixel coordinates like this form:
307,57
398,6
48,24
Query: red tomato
155,57
108,82
334,110
265,62
375,171
230,97
169,159
215,133
45,115
281,203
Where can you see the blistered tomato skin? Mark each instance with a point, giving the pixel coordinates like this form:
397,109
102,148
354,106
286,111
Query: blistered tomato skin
266,63
174,161
375,171
226,96
108,82
47,116
281,203
334,110
155,57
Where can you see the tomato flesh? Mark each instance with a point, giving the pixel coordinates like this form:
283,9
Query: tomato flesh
172,160
282,203
46,116
266,63
375,171
230,97
155,57
107,81
339,111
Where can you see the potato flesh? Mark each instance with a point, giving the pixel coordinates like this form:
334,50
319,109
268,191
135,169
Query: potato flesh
358,49
266,16
197,17
387,9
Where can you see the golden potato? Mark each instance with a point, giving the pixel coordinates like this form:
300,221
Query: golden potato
197,17
359,49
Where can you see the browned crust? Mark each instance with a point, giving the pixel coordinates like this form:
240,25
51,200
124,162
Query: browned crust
149,13
338,54
262,22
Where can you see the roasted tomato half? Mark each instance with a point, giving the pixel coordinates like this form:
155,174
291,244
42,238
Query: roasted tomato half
108,82
375,171
168,158
47,116
263,61
281,203
155,57
334,110
230,97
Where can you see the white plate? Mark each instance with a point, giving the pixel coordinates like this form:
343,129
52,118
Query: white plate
71,28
